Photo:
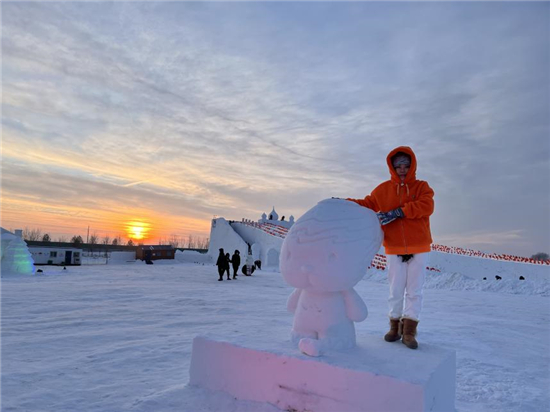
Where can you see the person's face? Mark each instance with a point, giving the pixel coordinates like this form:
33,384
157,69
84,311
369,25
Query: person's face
402,171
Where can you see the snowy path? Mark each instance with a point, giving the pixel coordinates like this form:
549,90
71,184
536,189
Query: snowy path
116,338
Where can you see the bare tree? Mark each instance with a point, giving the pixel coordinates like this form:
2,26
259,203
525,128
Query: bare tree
205,243
540,256
191,243
117,240
106,240
46,238
174,241
62,239
94,239
32,234
77,240
131,242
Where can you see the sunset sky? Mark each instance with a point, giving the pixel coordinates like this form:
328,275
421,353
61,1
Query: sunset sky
170,113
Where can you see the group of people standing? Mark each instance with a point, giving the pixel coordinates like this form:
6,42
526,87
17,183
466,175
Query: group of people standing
225,261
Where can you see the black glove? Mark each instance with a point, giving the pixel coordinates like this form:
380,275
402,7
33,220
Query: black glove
405,258
388,217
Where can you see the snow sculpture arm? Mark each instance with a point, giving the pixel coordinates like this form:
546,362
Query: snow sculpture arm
356,310
292,302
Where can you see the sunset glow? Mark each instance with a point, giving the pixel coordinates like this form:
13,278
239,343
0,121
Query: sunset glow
137,230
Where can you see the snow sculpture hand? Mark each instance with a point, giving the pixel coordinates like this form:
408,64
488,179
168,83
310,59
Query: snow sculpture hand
324,255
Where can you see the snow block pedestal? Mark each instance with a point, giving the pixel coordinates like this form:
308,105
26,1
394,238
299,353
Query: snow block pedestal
374,376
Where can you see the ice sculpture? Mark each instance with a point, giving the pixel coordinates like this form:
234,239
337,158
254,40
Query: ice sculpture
15,256
324,255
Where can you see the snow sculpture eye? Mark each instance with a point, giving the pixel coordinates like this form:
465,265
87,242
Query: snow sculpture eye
332,257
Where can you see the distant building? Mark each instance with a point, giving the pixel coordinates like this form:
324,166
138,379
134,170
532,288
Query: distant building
56,255
155,252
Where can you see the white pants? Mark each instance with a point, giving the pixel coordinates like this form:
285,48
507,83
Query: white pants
406,282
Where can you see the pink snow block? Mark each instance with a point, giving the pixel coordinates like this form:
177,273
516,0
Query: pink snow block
374,376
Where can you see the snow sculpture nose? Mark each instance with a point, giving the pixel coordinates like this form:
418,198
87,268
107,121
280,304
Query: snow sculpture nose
306,269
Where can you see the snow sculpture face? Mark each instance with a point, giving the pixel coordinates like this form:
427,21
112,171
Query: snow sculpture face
330,247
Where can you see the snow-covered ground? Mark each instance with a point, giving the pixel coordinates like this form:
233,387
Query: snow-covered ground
118,337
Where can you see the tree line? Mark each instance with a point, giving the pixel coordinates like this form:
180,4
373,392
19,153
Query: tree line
190,241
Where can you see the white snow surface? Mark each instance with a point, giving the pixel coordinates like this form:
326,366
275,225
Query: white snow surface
118,338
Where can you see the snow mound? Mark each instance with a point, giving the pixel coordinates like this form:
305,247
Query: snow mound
118,257
457,281
15,256
192,256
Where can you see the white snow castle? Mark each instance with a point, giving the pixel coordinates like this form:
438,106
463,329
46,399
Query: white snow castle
263,238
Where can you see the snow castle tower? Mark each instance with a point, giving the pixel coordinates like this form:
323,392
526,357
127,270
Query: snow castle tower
273,215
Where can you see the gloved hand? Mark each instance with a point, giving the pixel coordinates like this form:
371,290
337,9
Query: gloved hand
388,217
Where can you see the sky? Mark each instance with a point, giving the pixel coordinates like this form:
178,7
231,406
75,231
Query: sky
170,113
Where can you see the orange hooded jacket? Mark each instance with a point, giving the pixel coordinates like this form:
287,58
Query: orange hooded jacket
410,234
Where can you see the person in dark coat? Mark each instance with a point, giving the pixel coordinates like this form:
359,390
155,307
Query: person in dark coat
258,264
236,262
222,264
228,260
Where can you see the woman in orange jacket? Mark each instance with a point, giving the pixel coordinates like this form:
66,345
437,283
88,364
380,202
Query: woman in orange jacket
404,205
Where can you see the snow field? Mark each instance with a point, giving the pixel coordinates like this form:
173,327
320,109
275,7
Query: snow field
119,338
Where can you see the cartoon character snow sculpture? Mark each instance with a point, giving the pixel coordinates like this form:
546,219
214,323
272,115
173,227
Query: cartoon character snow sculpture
324,255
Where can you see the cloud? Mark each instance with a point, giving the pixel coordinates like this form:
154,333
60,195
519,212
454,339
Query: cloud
170,107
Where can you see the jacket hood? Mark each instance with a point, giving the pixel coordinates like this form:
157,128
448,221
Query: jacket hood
411,176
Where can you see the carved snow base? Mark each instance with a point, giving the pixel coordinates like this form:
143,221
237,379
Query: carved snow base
374,376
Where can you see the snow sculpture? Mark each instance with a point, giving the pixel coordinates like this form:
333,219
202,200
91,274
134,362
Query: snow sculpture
326,252
15,255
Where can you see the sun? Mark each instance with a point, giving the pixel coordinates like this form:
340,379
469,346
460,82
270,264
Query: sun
137,230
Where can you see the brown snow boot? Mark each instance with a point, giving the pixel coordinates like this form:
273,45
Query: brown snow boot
409,333
395,331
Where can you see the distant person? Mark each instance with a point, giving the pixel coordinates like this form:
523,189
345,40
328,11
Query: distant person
248,268
148,258
258,264
404,206
228,260
283,219
236,262
222,264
